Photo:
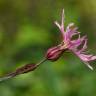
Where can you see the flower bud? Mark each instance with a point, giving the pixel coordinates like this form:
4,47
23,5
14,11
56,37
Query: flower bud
25,69
54,53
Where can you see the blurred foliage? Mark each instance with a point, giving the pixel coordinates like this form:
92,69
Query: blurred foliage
27,30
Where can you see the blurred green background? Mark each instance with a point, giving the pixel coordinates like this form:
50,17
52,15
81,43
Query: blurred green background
27,30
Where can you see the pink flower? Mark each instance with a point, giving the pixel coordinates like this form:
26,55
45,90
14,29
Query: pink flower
77,46
73,44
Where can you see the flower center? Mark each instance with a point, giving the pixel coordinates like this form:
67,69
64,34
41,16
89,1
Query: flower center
64,45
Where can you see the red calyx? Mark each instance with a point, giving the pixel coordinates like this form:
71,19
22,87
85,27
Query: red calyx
54,53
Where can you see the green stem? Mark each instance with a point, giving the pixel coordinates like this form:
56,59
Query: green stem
25,69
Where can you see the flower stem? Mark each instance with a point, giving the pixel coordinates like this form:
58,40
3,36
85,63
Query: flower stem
24,69
42,61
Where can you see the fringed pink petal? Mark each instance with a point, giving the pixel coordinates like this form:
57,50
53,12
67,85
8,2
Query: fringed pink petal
62,22
71,30
61,26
